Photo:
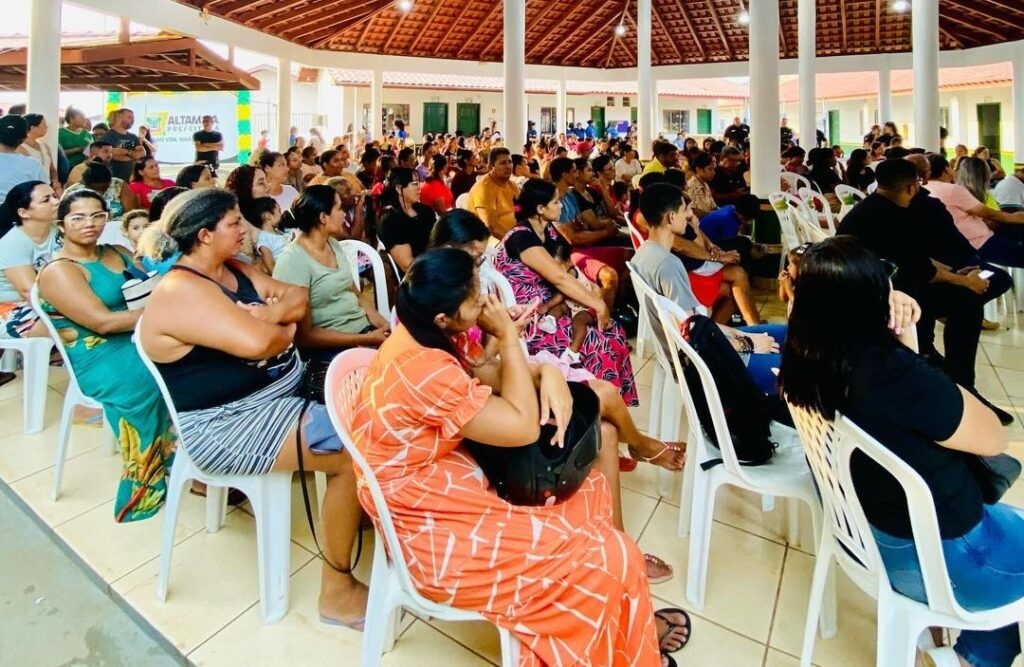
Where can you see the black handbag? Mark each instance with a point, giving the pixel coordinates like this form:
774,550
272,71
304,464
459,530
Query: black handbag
995,475
314,376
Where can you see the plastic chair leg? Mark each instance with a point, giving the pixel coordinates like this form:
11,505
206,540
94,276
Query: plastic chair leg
654,413
793,522
378,635
897,637
181,475
67,414
814,604
828,625
216,507
686,492
509,649
271,503
37,370
670,412
701,517
9,361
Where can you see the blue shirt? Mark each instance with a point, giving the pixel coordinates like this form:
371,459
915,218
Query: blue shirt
591,132
580,133
720,224
570,208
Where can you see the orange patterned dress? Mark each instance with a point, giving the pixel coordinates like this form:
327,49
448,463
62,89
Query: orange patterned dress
562,579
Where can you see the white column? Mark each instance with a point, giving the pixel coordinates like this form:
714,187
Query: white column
1018,108
284,102
560,102
884,96
806,69
865,119
44,66
645,129
514,68
656,109
377,104
357,120
954,119
764,96
925,41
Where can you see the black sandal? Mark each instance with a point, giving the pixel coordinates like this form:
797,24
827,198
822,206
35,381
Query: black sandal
669,659
688,626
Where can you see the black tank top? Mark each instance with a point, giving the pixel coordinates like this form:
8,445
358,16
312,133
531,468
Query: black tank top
205,377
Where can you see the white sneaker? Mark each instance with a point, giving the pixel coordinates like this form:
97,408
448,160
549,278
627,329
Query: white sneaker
547,324
572,358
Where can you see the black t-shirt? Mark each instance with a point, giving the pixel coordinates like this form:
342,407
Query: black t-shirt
737,133
725,182
893,234
908,405
204,137
786,136
523,238
129,141
397,228
862,180
944,241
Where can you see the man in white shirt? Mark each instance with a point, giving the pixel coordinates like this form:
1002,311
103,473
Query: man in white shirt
14,167
1009,192
627,166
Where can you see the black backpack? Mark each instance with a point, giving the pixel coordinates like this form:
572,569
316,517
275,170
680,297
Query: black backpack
748,412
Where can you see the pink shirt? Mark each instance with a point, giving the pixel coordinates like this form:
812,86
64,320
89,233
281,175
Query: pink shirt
959,201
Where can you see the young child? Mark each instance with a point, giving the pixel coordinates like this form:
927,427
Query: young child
133,224
788,275
270,243
582,318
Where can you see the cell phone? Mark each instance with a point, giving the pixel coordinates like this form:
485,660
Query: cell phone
986,274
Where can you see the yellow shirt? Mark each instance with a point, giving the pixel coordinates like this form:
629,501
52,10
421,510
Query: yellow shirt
654,167
495,204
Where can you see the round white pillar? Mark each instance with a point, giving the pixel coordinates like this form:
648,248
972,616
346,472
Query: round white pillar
656,124
925,40
1018,108
644,119
284,102
514,68
560,103
806,71
884,96
377,128
44,66
764,96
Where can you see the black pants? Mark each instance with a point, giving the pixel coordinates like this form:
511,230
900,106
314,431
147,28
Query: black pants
741,244
963,310
998,284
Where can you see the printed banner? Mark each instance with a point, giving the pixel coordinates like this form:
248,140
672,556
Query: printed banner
173,118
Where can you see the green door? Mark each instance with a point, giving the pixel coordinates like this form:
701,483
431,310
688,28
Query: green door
435,117
597,115
703,121
833,127
467,118
988,128
633,115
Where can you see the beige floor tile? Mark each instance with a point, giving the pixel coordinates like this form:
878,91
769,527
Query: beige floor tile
1013,382
480,637
853,646
1008,337
645,480
214,579
637,510
23,455
113,550
12,416
90,480
743,573
713,644
1002,356
742,509
301,639
777,658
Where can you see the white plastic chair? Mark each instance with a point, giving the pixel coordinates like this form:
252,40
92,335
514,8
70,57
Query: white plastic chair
793,181
847,539
643,332
72,397
820,209
391,586
35,361
785,475
270,496
784,205
462,201
353,249
394,264
848,198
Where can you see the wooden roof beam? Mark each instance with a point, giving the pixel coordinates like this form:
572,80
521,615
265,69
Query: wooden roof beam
555,29
340,29
323,9
842,21
971,26
878,24
599,33
689,26
458,20
335,22
718,25
668,35
226,9
1017,9
396,29
430,21
985,16
489,19
183,70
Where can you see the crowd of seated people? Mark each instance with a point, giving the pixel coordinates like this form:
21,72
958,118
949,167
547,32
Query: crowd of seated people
255,284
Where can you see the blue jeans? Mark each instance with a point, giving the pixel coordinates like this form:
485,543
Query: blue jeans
760,365
986,567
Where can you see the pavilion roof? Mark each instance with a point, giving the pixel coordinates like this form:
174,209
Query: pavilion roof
581,32
172,64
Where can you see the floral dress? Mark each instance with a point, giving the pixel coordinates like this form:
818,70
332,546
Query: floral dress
109,370
605,353
570,587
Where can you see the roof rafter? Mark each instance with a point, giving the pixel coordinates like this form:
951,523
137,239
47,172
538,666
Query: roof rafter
668,36
718,25
335,22
556,28
689,26
430,21
368,17
599,33
986,16
458,21
487,21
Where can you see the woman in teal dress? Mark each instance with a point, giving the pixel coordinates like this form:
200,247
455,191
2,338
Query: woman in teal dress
81,291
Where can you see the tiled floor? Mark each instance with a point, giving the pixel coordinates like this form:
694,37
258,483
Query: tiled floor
756,592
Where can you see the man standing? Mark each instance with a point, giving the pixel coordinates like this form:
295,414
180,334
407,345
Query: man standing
737,133
590,131
293,136
209,143
127,148
493,196
785,134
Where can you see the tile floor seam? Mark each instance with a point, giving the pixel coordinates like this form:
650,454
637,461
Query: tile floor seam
77,516
51,466
778,595
660,600
442,632
221,629
647,523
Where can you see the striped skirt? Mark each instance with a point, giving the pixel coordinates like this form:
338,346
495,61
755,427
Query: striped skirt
244,437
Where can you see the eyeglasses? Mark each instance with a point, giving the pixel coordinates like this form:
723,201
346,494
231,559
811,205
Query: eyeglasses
83,219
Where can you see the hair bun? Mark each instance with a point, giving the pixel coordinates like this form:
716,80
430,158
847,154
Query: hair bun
288,220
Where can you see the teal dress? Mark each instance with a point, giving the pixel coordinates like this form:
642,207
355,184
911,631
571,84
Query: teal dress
109,370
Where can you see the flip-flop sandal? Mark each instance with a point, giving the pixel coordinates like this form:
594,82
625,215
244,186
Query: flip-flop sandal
688,625
667,447
651,558
358,624
669,660
627,464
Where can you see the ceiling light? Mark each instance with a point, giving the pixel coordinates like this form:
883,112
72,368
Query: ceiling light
901,6
620,30
405,5
743,18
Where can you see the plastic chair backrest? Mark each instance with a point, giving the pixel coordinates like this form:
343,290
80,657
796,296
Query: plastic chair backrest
794,181
159,379
51,330
353,249
635,236
829,447
787,224
820,207
646,294
671,317
342,388
394,264
848,194
462,201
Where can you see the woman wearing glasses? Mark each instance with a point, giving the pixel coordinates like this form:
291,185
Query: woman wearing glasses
80,290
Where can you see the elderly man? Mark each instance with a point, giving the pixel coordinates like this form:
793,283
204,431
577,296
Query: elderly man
1009,192
493,197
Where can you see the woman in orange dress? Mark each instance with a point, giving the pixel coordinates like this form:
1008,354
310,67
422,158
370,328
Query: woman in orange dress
561,578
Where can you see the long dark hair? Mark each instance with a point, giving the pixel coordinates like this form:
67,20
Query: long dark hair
240,182
305,212
456,228
398,178
820,353
437,282
190,175
535,193
193,211
20,196
856,163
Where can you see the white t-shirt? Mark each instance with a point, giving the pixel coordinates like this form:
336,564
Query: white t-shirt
16,168
287,196
631,169
1010,191
17,249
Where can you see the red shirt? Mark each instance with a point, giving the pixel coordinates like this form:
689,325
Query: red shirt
144,191
434,189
